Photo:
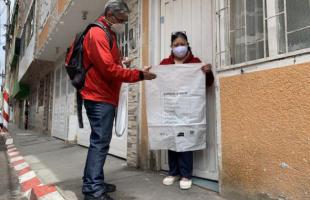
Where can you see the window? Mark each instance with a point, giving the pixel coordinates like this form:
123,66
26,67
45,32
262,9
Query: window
254,29
29,26
298,24
122,41
28,31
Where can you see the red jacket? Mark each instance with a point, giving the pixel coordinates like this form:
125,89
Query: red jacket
190,59
105,77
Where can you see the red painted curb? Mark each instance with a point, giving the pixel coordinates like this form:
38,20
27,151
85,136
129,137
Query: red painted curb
23,171
17,162
30,184
40,191
33,189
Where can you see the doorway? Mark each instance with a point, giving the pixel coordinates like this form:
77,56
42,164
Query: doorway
196,18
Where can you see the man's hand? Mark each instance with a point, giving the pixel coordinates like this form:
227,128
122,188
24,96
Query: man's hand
207,68
147,75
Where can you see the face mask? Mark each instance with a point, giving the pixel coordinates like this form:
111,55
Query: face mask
180,51
118,28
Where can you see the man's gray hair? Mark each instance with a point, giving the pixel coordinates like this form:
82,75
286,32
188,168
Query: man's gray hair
116,7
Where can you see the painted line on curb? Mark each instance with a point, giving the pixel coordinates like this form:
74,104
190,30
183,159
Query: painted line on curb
31,186
17,158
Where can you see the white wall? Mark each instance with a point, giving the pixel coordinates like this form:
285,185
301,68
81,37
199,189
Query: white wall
27,58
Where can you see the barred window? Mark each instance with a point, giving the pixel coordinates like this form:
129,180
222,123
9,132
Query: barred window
255,29
28,30
122,41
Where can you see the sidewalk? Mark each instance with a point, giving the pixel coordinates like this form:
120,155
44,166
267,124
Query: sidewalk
9,186
56,162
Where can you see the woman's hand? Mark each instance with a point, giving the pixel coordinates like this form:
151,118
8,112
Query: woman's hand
207,68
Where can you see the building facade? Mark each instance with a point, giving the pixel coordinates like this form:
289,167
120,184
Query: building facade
258,109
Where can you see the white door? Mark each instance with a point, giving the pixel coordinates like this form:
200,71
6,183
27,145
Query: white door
60,118
118,146
194,17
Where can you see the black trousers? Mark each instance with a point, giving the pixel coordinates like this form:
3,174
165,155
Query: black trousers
181,164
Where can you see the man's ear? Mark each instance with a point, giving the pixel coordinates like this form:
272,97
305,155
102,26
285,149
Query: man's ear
109,14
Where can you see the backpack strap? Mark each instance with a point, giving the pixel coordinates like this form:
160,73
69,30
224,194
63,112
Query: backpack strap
104,28
79,98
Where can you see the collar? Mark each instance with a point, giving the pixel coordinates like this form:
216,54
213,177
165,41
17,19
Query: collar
188,59
102,20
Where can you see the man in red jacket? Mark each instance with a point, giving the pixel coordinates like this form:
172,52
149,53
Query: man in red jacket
101,93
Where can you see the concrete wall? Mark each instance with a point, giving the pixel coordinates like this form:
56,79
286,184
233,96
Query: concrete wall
39,114
266,134
57,7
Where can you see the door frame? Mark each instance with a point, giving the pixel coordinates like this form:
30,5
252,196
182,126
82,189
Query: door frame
155,55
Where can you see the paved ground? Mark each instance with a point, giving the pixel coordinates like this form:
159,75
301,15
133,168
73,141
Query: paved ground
9,187
62,164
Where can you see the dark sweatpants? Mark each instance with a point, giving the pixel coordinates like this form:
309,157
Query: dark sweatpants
181,164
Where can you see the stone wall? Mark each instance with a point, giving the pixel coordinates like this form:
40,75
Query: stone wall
133,98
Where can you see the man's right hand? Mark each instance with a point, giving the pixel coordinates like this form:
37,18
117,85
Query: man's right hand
147,74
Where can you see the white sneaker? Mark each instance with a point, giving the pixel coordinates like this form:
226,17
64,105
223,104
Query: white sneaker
169,180
185,184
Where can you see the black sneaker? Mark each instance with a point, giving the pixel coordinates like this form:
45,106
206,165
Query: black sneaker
110,188
106,197
103,197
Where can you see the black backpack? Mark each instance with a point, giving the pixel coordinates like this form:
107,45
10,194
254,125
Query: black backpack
75,67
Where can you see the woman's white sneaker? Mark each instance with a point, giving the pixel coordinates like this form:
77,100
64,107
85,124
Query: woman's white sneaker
185,183
169,180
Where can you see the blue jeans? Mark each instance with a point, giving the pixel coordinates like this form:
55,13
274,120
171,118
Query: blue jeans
180,164
101,117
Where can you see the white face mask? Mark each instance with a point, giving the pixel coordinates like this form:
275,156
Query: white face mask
118,28
180,51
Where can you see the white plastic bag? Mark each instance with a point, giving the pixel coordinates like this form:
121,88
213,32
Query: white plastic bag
121,119
176,108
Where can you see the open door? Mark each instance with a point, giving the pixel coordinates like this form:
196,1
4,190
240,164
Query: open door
194,17
118,146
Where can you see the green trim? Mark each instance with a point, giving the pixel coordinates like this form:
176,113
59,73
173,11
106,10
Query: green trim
20,91
14,61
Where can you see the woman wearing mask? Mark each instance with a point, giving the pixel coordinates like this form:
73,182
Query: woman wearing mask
181,163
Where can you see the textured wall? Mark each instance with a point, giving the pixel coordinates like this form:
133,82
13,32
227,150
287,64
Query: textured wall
133,95
61,5
56,10
266,134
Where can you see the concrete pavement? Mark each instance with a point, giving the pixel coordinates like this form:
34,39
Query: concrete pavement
9,187
56,162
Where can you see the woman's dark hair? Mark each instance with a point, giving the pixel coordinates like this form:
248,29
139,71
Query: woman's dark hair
180,34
